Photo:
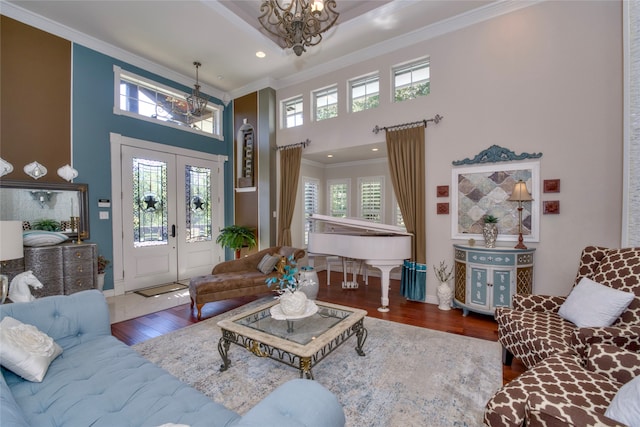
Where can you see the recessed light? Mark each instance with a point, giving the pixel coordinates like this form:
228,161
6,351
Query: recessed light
374,149
329,155
260,54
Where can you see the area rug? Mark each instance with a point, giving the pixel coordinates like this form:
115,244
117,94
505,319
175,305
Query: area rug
410,376
162,289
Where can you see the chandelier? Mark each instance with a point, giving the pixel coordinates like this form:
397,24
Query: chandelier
196,104
298,23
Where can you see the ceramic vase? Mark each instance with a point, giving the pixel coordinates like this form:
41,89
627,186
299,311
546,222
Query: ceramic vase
490,234
293,303
100,281
444,296
308,280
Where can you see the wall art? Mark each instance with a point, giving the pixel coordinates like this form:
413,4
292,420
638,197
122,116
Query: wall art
442,191
551,207
551,186
484,190
442,208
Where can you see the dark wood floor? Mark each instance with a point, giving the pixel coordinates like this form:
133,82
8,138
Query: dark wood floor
365,297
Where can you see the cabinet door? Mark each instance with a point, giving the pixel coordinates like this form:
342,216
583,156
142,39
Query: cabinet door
501,288
478,287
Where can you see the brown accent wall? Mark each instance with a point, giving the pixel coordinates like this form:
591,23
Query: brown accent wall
246,203
35,99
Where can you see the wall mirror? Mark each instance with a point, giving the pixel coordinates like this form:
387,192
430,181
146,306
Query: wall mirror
43,202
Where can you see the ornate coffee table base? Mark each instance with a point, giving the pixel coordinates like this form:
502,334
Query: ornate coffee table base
304,364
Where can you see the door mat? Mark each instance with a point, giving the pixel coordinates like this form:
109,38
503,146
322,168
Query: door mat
159,290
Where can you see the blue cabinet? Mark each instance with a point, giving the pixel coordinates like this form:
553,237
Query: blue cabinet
488,278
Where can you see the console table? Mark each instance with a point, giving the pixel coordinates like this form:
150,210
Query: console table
63,269
488,278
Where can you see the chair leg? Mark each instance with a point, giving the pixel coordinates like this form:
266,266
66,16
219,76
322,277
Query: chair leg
199,307
507,357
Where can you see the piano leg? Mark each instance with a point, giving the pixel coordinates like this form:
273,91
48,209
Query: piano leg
384,283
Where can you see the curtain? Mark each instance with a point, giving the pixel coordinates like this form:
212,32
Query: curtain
289,173
405,148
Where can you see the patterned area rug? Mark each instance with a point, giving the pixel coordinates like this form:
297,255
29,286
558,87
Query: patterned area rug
410,376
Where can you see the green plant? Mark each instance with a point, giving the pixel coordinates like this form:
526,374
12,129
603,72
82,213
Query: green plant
236,237
46,225
102,264
441,272
490,219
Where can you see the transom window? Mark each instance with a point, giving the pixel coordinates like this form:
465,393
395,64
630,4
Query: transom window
365,93
371,198
411,80
326,103
292,112
145,99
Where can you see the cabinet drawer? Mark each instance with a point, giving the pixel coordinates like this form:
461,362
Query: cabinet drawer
78,283
491,258
81,253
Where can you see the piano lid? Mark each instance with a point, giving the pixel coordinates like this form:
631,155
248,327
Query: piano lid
357,225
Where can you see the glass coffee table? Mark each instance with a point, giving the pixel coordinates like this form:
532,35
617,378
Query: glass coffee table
300,343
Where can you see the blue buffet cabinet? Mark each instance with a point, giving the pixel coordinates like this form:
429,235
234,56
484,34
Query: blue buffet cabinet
488,278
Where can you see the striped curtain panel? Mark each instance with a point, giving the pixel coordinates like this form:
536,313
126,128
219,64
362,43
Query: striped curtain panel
405,148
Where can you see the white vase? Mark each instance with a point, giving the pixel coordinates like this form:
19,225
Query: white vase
308,280
100,281
444,296
293,303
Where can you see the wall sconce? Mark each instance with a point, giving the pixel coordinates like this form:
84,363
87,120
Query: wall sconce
44,198
5,167
67,173
35,170
520,194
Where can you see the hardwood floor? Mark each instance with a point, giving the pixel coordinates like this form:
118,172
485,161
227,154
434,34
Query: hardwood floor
365,297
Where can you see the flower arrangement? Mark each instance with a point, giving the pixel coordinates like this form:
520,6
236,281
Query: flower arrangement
286,278
102,264
441,272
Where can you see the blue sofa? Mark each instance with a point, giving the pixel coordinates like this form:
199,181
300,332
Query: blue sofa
100,381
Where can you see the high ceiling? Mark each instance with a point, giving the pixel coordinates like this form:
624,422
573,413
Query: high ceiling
225,35
167,36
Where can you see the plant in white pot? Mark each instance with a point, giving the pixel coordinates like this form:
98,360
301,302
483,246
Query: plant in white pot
292,302
443,274
102,266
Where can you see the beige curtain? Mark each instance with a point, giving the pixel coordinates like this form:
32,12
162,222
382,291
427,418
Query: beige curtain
405,148
289,173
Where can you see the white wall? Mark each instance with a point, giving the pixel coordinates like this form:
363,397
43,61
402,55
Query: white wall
547,78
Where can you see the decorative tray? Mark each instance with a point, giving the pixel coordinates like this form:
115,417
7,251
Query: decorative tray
310,309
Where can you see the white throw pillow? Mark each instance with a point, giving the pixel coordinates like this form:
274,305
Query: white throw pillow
268,263
592,305
625,406
25,350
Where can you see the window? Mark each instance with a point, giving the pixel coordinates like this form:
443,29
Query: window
311,203
371,198
397,214
411,81
365,93
292,112
145,99
325,103
338,197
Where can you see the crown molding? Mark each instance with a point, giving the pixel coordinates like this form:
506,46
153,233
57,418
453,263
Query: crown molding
27,17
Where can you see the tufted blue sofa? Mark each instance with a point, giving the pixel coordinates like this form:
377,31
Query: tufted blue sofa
100,381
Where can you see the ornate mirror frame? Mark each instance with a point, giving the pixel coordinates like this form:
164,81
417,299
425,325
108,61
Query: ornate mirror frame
82,208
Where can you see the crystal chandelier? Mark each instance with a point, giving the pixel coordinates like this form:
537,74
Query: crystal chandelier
196,104
298,23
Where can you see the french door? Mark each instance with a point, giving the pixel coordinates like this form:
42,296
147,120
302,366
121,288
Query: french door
170,216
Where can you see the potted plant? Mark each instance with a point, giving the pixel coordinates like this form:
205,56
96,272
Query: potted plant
490,231
236,237
46,225
102,266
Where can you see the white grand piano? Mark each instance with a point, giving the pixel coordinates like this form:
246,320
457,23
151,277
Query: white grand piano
379,245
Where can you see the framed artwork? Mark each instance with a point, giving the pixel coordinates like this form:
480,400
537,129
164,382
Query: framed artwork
551,207
551,186
484,190
442,191
442,208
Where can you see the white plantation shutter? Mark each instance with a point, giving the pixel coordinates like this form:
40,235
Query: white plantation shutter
339,198
371,192
311,203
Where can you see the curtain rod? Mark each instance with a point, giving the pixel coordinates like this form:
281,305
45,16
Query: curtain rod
302,144
436,119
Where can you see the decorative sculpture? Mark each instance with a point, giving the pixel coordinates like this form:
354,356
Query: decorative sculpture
19,287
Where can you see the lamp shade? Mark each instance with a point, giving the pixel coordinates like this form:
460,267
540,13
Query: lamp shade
11,240
520,193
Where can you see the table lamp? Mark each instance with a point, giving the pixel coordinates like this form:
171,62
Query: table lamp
520,194
10,248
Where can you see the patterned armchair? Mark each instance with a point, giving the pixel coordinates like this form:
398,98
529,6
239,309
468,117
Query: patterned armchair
532,330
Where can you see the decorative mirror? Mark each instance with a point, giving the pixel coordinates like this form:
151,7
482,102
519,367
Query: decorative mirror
60,207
